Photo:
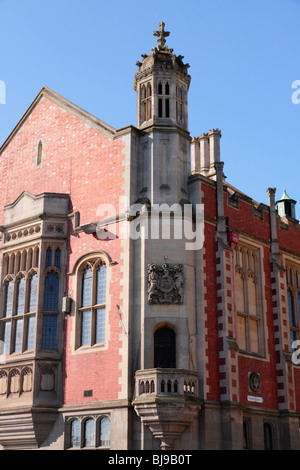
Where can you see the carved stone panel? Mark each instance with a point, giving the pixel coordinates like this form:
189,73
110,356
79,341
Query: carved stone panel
27,380
47,380
165,284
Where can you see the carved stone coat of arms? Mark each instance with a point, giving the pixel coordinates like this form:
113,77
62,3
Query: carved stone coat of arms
165,284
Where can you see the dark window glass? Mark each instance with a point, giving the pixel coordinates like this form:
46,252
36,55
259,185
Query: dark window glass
164,348
57,258
160,103
49,332
48,258
268,438
51,292
167,108
291,308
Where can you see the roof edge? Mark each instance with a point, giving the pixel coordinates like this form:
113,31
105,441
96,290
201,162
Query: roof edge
66,105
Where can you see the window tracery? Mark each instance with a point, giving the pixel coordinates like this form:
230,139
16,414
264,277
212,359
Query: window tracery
19,308
88,432
248,299
92,275
146,102
293,300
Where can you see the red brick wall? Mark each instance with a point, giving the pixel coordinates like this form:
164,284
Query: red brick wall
86,164
242,220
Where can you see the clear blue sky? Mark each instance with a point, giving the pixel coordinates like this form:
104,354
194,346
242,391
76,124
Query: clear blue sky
243,56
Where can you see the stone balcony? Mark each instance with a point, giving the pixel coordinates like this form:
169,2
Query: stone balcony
166,382
167,401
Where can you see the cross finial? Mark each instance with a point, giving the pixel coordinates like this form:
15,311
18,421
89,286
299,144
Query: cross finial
162,34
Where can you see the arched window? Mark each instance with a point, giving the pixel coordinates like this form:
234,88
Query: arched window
9,293
268,436
57,258
93,303
293,301
246,435
292,317
33,285
146,102
87,286
248,304
48,257
20,292
18,262
39,153
105,432
89,433
164,348
75,433
20,296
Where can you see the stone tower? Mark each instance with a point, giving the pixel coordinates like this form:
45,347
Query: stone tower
162,84
166,379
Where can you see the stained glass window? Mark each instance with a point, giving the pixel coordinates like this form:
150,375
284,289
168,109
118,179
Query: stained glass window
49,332
51,292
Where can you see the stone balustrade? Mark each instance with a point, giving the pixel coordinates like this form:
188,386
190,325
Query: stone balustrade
166,382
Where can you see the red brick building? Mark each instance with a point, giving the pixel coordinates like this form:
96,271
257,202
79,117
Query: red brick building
115,338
